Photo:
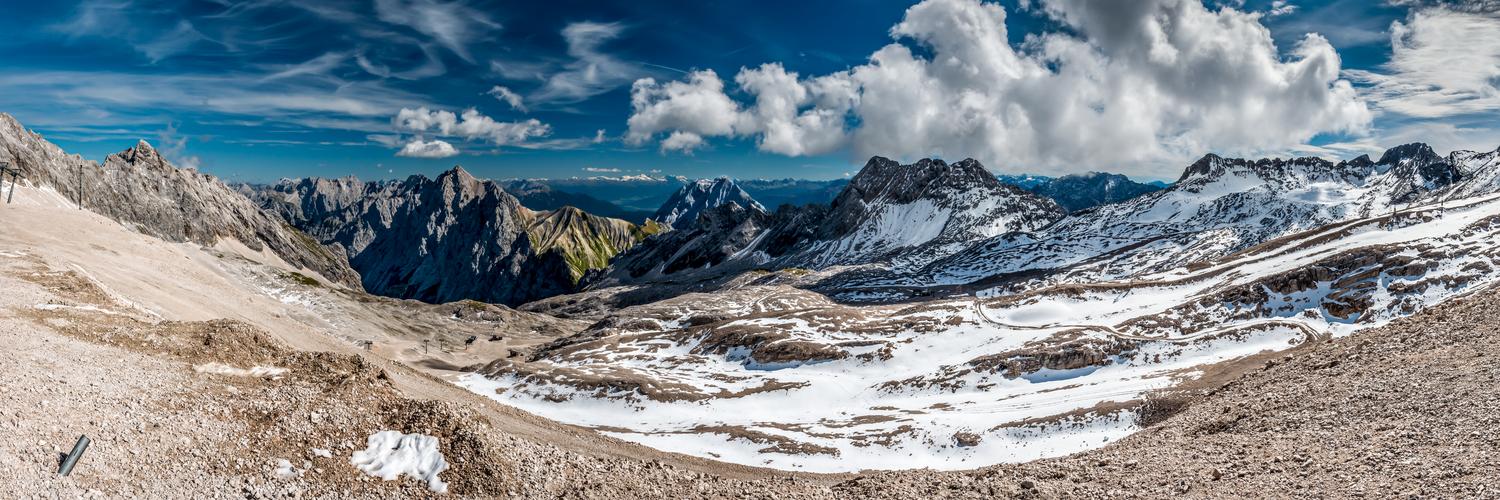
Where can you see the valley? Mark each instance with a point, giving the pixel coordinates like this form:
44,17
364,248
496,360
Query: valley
810,341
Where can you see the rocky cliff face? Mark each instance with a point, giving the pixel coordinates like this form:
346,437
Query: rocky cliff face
139,188
912,214
890,214
719,234
451,238
682,209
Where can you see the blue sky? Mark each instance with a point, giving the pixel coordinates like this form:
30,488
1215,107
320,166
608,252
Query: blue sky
266,89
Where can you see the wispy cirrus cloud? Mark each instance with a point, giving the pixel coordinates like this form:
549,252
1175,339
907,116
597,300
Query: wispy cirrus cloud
1444,62
453,24
103,18
591,71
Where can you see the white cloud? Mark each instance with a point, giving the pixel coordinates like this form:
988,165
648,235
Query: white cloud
423,119
173,146
101,18
778,116
1281,8
592,70
419,148
599,136
452,24
1140,86
685,142
697,106
471,125
505,95
316,66
600,170
1444,62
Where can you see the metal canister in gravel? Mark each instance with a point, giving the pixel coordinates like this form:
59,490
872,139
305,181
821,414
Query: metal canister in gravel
68,463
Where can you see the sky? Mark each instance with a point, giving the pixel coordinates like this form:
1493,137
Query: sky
264,89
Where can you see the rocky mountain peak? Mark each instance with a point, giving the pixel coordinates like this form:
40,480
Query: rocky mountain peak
684,206
141,155
883,178
1415,152
141,189
1203,167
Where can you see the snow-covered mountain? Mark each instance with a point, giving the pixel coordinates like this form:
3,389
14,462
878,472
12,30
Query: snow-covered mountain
1279,253
682,208
888,215
912,214
1217,207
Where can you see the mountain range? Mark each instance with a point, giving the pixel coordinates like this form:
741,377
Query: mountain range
1082,191
450,238
927,315
140,189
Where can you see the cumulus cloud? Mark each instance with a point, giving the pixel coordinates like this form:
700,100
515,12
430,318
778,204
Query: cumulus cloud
419,148
505,95
471,125
691,108
1444,62
1148,83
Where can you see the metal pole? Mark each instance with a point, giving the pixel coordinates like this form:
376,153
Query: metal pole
15,178
68,463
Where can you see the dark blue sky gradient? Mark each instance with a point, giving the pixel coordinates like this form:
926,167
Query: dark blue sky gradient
94,87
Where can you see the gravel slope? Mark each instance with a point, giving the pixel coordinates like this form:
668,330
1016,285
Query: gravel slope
1405,410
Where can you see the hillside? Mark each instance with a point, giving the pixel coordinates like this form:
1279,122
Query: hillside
138,188
1403,408
416,237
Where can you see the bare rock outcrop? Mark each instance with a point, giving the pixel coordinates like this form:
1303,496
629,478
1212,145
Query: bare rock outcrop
141,189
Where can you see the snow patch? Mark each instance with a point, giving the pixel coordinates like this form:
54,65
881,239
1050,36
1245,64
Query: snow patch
389,454
270,372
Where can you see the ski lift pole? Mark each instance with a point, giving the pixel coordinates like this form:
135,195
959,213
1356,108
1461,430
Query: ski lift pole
72,460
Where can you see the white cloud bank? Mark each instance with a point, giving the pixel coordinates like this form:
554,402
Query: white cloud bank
470,125
1142,86
1444,62
419,148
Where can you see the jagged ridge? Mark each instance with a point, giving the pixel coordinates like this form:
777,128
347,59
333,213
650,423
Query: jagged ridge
139,188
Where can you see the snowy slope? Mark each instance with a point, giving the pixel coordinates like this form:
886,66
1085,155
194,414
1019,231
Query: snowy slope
908,215
784,377
1220,206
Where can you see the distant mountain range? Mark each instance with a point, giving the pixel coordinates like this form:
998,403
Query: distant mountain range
450,238
888,213
639,195
1083,191
540,195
